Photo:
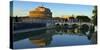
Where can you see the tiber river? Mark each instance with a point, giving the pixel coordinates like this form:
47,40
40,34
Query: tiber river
52,38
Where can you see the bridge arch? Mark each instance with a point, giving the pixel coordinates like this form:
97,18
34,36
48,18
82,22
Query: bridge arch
65,24
84,27
57,24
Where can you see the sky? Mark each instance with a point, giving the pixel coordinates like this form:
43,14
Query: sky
22,8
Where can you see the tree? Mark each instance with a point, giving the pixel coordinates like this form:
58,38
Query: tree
94,17
83,18
66,20
16,19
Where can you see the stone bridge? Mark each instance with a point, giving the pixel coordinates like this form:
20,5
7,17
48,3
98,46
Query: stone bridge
77,23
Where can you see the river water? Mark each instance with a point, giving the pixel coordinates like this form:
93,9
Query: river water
51,38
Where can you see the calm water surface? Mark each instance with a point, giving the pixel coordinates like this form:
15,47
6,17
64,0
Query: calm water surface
50,38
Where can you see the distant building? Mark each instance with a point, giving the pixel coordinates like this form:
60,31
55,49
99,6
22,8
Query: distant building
70,18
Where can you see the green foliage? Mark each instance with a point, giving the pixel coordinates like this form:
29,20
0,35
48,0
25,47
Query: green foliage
94,18
83,18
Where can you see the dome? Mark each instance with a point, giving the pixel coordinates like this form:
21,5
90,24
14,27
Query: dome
40,8
40,12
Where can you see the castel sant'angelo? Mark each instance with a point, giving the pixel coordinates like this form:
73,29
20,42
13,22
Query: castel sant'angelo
40,12
37,14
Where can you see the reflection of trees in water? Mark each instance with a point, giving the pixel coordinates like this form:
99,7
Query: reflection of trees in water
91,32
94,38
84,28
93,35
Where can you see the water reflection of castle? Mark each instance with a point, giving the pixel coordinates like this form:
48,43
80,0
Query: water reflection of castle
42,40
